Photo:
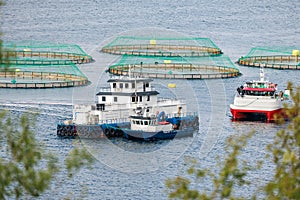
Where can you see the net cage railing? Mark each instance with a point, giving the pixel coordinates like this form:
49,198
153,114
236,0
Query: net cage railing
272,57
43,53
144,46
35,64
175,67
44,76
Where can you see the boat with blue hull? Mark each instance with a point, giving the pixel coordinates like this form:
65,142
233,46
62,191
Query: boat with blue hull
116,105
148,127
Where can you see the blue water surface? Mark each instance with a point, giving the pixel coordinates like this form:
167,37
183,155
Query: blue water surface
123,169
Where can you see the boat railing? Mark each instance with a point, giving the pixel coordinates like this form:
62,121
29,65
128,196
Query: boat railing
185,114
85,107
105,89
115,121
170,101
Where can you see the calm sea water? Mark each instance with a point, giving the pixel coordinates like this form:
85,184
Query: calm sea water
130,170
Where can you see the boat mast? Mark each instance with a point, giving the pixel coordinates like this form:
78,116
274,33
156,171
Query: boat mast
129,71
261,74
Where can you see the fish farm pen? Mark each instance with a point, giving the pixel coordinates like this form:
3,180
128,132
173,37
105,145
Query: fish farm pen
272,57
42,65
143,46
175,67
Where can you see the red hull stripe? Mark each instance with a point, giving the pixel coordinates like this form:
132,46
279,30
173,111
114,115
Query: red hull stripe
239,114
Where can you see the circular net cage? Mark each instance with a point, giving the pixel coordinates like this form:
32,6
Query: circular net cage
272,57
175,67
41,65
41,76
163,46
32,52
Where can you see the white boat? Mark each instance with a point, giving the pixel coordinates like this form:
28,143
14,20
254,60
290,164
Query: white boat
115,103
258,99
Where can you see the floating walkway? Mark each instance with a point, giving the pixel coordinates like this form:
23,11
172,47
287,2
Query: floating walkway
45,76
169,47
176,67
272,57
42,65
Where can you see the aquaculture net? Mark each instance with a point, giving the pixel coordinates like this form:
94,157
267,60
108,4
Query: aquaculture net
163,46
175,67
33,64
37,52
272,57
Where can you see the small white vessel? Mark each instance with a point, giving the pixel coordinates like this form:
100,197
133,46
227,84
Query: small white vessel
258,98
147,126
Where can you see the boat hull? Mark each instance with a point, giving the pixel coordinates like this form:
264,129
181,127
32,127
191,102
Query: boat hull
254,114
161,135
113,130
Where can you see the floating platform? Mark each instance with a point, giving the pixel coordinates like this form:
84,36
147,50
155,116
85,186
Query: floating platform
271,57
169,47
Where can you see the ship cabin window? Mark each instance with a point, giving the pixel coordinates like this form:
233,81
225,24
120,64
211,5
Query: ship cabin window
114,85
126,85
259,93
140,122
148,98
103,98
141,98
133,85
115,99
100,106
134,99
147,84
121,85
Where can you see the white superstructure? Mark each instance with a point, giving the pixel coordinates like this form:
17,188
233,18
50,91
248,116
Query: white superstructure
123,96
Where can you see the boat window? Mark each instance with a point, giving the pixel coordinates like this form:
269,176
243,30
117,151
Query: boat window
148,98
138,122
147,84
100,106
133,85
133,121
133,99
115,99
103,98
145,122
126,85
142,123
141,98
259,93
114,85
121,85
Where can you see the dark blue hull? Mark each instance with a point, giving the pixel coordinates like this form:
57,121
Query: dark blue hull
186,126
152,136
